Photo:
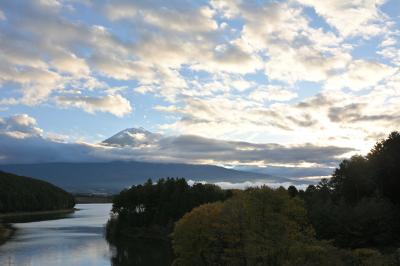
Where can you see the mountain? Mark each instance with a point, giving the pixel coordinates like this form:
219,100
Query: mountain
134,137
111,177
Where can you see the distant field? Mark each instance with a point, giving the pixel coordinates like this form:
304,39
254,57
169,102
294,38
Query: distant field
84,199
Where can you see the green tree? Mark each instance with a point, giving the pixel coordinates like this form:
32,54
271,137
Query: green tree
384,159
157,206
292,190
260,226
196,238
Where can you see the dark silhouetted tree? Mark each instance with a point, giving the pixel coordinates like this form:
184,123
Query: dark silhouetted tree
293,192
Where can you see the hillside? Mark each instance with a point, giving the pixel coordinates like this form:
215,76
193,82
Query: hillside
111,177
24,194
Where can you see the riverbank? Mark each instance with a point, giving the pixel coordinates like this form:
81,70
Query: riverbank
6,232
14,217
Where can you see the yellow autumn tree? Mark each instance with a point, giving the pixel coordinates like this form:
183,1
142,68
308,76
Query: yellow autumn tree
196,236
259,226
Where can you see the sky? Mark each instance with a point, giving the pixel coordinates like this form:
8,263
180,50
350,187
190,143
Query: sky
285,87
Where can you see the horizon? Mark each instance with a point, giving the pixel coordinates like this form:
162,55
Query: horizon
289,88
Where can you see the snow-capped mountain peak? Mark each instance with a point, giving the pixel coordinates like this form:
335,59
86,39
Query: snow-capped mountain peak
132,137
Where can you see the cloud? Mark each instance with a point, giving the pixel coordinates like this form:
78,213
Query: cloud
36,149
272,93
55,63
219,116
348,119
208,68
361,74
171,15
22,141
352,18
140,145
114,104
20,126
249,184
232,152
70,63
293,171
356,113
2,15
295,50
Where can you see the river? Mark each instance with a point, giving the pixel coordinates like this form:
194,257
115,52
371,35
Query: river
77,239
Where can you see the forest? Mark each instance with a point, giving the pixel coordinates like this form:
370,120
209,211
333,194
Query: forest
350,219
24,194
155,207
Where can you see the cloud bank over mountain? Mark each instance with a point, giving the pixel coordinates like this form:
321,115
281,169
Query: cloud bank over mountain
23,141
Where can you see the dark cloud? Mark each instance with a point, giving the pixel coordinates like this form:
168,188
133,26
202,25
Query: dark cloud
354,113
317,101
35,149
306,121
199,148
345,113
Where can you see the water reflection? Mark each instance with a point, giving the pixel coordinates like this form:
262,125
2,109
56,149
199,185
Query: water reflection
77,239
143,252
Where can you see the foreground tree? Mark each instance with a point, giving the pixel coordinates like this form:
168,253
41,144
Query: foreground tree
259,226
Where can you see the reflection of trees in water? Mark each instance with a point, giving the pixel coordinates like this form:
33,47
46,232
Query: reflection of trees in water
141,252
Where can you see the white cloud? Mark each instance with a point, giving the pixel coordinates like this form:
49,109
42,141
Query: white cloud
352,17
114,104
251,184
166,15
272,93
19,126
70,63
361,74
295,50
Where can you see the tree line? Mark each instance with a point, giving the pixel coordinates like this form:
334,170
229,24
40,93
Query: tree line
24,194
360,205
349,219
157,206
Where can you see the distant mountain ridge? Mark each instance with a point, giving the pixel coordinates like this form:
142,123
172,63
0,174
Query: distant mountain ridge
111,177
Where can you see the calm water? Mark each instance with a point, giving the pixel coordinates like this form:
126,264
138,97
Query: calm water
77,239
